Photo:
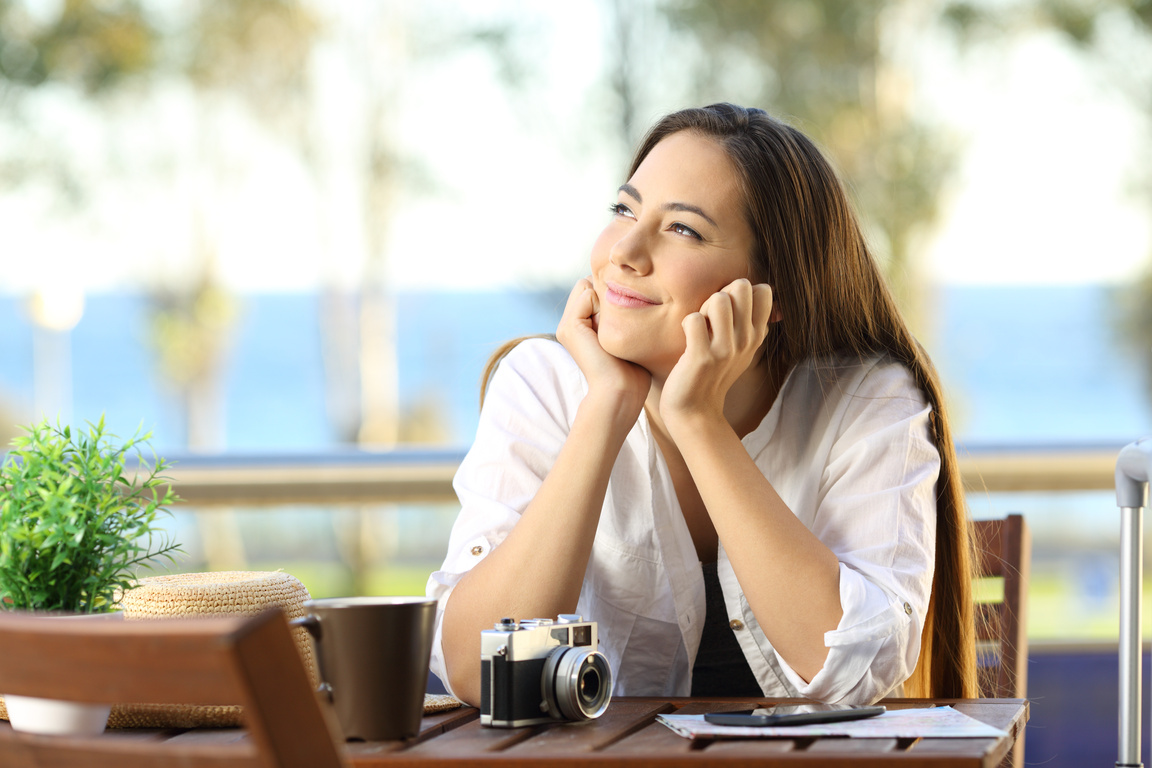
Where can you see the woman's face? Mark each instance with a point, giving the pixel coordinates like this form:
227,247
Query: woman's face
677,235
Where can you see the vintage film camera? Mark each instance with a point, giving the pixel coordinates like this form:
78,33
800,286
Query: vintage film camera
540,670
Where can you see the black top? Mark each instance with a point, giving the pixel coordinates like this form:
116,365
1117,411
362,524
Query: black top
721,668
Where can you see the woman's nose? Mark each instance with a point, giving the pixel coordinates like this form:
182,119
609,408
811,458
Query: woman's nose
631,252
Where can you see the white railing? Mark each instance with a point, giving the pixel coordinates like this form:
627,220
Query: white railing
425,475
336,477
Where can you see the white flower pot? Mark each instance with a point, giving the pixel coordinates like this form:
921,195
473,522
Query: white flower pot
32,714
49,716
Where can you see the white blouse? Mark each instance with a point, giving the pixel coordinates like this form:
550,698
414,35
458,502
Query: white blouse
846,445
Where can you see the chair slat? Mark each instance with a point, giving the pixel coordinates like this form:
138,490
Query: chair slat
97,660
990,547
989,621
1003,549
252,662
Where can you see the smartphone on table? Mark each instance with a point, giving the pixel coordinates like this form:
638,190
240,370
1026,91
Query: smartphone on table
794,714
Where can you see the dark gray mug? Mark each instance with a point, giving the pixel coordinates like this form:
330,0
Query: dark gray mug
372,654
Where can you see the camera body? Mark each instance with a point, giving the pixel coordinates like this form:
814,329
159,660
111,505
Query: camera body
541,670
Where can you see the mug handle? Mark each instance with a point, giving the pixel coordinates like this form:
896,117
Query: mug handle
312,624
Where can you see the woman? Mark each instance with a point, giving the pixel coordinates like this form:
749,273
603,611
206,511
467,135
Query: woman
734,457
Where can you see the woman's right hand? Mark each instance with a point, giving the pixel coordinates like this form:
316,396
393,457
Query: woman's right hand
607,375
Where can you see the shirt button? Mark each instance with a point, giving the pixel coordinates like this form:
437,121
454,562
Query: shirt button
736,625
907,609
477,550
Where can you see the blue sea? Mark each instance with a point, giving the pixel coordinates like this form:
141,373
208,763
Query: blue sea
1036,365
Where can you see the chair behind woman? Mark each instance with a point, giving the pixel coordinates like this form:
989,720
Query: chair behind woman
1004,553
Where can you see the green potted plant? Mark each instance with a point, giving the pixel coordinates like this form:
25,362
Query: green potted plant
74,525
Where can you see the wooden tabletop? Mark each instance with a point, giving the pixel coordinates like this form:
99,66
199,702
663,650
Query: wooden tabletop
628,735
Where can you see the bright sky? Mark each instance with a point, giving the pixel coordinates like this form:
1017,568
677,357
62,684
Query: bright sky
517,200
1046,189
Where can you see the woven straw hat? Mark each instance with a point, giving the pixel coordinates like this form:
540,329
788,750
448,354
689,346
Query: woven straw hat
184,595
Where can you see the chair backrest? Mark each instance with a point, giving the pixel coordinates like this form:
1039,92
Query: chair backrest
252,662
1004,554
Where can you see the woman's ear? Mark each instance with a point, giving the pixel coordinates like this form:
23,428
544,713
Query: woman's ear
775,315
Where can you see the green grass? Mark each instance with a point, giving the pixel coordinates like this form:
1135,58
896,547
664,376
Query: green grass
1057,611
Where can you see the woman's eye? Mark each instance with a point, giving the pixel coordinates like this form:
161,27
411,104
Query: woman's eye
619,209
687,231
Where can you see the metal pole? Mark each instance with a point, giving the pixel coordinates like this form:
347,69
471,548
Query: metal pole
1133,470
1131,588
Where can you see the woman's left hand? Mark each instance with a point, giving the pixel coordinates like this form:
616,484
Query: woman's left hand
722,340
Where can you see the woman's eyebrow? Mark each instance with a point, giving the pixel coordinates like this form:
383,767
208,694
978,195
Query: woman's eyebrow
691,209
634,193
631,191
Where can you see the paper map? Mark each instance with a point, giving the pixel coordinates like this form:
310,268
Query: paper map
936,722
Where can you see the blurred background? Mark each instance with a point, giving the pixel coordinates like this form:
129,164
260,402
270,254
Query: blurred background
283,237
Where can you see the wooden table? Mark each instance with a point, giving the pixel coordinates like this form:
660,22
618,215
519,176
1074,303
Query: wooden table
628,735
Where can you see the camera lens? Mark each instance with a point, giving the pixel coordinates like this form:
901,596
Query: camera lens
576,683
589,684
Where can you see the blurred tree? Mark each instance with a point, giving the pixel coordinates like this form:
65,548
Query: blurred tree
625,20
258,51
253,53
383,47
836,69
94,51
263,53
189,333
91,47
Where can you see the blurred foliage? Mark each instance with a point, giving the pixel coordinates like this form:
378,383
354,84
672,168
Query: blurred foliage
831,68
94,48
190,335
257,50
1081,21
258,46
91,45
1115,36
188,328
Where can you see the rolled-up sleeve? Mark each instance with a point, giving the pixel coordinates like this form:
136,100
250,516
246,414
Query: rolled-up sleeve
876,510
522,427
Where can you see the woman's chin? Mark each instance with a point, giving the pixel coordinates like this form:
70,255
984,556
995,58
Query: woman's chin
633,350
620,345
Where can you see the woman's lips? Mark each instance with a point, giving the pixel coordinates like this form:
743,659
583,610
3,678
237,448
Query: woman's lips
623,297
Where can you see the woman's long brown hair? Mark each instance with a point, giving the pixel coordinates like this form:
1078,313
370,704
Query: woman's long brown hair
834,301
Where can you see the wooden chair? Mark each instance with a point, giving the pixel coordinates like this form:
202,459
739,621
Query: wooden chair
1004,555
1004,552
205,661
